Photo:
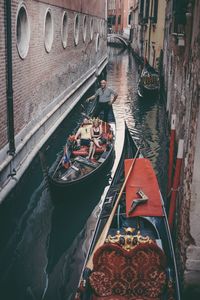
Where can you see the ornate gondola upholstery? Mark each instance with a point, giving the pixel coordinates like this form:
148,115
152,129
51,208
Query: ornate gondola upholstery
84,150
138,274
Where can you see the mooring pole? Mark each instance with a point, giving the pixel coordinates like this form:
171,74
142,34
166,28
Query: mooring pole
171,153
172,207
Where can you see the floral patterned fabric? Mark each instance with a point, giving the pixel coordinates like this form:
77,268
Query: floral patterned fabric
138,274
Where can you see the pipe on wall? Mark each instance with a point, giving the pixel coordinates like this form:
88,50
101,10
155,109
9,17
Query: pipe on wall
10,113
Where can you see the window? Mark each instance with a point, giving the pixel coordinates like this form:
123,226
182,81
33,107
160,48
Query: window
155,12
129,18
76,30
23,32
100,28
48,32
64,30
141,11
84,28
97,42
91,29
146,11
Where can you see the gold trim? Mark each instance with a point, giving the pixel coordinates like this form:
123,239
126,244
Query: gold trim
128,241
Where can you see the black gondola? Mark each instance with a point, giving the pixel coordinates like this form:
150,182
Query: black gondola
131,254
149,82
80,169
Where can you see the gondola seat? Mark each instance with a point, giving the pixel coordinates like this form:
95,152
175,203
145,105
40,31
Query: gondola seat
138,274
83,151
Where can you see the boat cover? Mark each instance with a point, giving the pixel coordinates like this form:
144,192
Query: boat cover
142,177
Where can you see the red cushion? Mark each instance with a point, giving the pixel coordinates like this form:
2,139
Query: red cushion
115,297
100,150
83,151
137,273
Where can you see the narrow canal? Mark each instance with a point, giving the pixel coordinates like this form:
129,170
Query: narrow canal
43,240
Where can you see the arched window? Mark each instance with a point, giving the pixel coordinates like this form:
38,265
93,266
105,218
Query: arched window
76,29
64,30
48,31
22,32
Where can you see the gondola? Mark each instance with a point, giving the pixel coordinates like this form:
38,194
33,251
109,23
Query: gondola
149,82
74,168
131,254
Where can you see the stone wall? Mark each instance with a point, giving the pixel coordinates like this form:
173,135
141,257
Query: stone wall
41,77
182,69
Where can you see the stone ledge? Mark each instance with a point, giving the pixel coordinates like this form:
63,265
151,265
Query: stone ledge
193,253
193,265
191,278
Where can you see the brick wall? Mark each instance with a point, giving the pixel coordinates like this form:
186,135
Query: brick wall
95,7
182,69
3,105
41,77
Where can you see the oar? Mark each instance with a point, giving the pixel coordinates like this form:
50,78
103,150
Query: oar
57,166
104,233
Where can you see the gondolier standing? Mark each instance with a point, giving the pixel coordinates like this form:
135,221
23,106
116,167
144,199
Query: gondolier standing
104,102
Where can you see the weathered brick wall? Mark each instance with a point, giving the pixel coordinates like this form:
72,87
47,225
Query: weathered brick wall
3,107
42,76
182,69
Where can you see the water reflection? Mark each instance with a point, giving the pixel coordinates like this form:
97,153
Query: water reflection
145,117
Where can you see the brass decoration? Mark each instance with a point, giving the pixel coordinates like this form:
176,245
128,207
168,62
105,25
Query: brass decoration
128,241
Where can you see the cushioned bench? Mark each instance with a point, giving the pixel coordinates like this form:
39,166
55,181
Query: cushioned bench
138,274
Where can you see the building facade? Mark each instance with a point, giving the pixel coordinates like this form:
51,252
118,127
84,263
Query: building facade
51,53
182,88
147,23
119,16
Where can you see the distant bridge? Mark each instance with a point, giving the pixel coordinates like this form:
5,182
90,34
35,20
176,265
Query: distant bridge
119,37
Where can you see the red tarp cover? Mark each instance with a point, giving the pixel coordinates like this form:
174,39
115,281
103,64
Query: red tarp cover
142,176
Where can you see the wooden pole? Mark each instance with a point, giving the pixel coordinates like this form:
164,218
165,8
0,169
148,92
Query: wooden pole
171,152
104,233
176,181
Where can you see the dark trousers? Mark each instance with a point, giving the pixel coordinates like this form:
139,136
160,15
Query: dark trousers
105,107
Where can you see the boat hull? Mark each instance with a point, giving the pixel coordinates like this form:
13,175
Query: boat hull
148,234
90,171
83,182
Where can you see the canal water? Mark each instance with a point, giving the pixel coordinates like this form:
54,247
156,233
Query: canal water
43,240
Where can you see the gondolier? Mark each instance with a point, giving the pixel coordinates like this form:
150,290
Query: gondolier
104,103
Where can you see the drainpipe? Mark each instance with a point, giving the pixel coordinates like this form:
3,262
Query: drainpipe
150,25
10,114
